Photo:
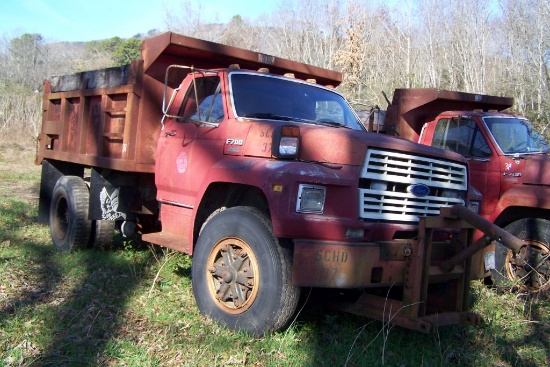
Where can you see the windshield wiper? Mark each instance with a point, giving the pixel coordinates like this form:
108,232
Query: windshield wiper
264,115
328,122
272,116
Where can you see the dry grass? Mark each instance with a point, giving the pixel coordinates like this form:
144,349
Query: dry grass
17,170
133,306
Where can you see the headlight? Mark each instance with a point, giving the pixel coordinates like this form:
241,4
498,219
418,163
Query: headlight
379,186
311,199
288,146
450,194
286,142
474,206
475,197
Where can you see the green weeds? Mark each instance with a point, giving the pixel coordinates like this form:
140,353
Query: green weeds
133,306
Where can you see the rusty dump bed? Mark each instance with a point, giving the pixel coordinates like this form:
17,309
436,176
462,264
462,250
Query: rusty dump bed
411,108
110,118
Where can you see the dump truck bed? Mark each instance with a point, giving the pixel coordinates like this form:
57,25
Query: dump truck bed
411,108
110,118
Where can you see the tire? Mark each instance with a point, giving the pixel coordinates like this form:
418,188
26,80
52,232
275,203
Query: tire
69,225
102,234
529,270
241,275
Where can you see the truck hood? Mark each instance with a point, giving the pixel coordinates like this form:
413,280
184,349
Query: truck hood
349,147
537,170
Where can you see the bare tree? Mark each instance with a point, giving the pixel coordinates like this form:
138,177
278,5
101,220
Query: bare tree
466,45
526,25
306,31
190,19
353,57
240,33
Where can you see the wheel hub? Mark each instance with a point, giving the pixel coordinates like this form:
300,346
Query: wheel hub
233,275
227,275
60,226
530,267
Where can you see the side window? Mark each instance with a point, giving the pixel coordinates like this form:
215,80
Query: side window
480,148
208,98
461,136
440,134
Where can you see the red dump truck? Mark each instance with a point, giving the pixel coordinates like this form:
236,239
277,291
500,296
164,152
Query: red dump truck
508,163
260,170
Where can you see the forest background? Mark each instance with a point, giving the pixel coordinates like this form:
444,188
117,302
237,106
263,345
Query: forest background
497,47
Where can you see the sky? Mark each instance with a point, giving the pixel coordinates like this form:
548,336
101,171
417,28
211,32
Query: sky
87,20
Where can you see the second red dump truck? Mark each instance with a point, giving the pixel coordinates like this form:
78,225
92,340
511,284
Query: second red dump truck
260,170
509,165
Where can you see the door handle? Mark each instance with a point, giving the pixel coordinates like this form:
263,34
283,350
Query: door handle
475,159
171,133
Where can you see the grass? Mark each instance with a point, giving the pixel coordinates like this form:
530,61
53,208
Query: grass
133,306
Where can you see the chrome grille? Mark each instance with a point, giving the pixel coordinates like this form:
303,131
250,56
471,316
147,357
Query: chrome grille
387,178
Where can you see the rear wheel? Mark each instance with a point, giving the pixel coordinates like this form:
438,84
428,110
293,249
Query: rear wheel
69,225
102,234
241,275
529,270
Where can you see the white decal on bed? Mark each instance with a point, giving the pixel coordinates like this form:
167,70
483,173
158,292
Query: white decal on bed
109,205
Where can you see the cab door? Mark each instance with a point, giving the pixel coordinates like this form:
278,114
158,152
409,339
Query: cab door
463,135
190,143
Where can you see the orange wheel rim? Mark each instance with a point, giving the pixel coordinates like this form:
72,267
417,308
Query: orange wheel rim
232,275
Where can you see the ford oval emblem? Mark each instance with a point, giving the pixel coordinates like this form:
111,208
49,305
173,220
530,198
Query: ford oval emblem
419,190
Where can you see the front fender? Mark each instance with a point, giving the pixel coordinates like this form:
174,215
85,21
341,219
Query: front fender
279,181
527,196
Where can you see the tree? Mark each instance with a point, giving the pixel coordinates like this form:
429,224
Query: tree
308,31
126,51
526,26
25,62
469,45
189,20
113,51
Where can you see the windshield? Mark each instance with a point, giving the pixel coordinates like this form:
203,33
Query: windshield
270,97
515,135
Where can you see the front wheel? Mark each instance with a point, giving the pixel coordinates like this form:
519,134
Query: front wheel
529,270
241,274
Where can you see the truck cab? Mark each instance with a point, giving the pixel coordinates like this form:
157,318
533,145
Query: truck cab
508,163
503,152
